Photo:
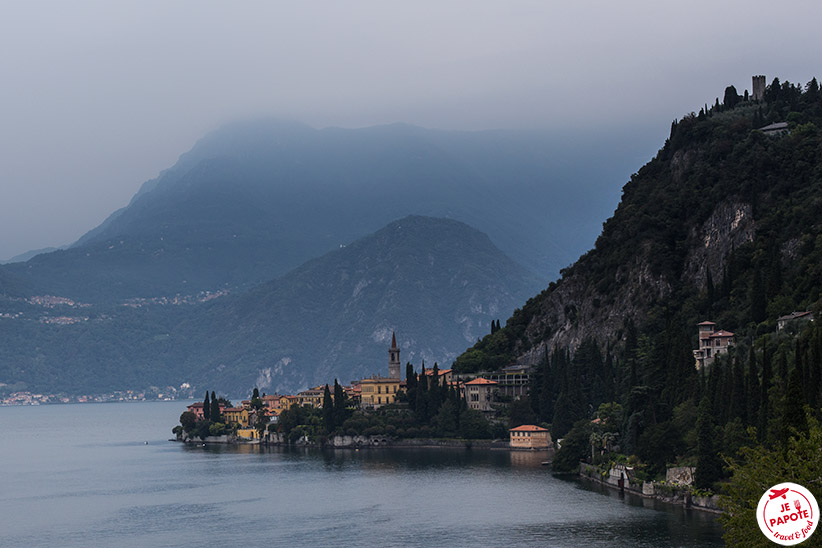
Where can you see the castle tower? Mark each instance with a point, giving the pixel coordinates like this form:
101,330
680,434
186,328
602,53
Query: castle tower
394,359
758,87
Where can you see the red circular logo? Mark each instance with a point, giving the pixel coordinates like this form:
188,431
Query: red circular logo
787,514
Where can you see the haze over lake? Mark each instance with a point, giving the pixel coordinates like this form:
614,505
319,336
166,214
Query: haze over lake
83,475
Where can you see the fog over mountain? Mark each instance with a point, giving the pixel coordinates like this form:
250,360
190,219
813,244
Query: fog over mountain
255,199
101,97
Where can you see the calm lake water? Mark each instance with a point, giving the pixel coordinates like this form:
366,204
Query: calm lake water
82,475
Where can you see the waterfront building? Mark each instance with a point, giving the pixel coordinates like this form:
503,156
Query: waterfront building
530,436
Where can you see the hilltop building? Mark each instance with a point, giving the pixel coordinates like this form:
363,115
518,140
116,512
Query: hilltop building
758,87
712,343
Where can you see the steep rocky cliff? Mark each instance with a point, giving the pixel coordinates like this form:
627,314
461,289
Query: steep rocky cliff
719,224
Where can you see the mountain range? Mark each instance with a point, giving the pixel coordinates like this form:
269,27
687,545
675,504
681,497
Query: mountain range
253,200
437,282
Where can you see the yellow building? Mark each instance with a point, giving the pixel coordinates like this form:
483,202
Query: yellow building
236,415
530,436
312,397
248,433
378,391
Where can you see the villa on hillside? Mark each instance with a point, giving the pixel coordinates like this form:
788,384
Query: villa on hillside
793,318
712,343
479,394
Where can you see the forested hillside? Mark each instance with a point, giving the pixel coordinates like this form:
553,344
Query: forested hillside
437,282
722,225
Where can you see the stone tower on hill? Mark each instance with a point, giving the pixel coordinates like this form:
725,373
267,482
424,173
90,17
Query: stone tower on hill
758,87
394,359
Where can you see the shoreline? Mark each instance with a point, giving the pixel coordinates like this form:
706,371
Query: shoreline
372,442
674,494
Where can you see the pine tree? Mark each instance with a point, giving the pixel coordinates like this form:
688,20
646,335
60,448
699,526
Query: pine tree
206,407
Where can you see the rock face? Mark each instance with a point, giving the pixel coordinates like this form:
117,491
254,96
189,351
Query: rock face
575,310
720,218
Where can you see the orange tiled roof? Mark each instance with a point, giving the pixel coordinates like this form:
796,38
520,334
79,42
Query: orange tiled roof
529,428
721,334
706,323
480,381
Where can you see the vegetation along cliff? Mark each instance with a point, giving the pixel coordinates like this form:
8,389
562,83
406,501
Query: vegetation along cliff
722,225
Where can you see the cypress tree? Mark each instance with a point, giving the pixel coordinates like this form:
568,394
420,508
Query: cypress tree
339,404
421,406
411,386
738,405
328,410
758,297
764,393
434,392
215,408
206,407
794,416
752,389
708,466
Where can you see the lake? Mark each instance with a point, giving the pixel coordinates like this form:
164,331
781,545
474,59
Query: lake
83,475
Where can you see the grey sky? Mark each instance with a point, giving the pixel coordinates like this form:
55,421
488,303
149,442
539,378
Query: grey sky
99,96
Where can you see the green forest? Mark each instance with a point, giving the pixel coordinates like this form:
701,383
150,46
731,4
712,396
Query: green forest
655,408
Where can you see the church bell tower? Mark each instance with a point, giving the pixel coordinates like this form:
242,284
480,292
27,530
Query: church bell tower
394,359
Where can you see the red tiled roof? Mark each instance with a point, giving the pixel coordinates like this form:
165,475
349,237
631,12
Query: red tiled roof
721,334
529,428
706,323
481,381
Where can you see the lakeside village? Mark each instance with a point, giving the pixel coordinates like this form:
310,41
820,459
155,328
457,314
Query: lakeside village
432,406
16,396
444,408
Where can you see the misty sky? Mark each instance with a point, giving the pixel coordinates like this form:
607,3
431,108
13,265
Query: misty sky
99,96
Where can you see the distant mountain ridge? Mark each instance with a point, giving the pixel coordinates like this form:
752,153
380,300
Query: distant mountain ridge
437,282
253,200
